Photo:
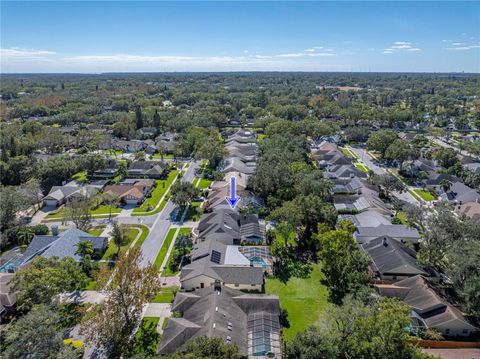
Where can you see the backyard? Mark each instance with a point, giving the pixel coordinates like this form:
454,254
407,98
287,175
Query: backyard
166,244
304,299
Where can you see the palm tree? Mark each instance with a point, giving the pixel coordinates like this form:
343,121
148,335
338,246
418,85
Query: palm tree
25,235
118,236
445,184
84,248
111,200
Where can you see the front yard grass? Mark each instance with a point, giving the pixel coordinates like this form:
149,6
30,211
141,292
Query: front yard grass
204,183
163,251
305,299
426,196
96,231
347,152
104,211
166,295
111,251
362,168
157,193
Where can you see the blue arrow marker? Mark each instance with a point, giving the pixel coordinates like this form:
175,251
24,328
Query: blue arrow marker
233,199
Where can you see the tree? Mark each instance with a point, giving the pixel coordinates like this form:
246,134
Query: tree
380,141
131,287
344,265
78,211
35,335
445,184
156,120
183,193
10,204
85,251
389,183
401,151
138,117
111,200
25,235
207,348
118,236
447,157
357,330
464,271
44,278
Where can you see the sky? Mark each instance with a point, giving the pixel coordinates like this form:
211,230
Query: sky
158,36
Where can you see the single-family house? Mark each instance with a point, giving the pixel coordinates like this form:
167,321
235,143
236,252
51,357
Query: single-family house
230,227
344,172
391,259
131,191
60,245
460,193
71,191
429,310
235,164
213,261
469,209
148,169
8,298
250,321
399,232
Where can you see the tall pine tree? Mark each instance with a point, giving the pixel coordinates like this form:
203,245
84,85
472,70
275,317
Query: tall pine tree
139,117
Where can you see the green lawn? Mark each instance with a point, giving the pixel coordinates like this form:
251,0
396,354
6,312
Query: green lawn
158,155
112,248
403,217
193,212
100,210
163,251
362,168
347,152
304,300
143,236
158,192
96,231
80,177
426,196
204,183
166,295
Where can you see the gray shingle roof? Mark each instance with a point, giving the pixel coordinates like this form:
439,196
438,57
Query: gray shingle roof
63,245
390,257
225,314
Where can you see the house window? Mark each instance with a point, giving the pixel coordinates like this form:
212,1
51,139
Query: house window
254,285
447,331
237,285
465,331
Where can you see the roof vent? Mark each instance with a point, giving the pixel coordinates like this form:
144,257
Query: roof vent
216,309
229,339
384,241
214,325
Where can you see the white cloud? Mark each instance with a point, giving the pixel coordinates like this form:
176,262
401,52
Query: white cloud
25,60
400,46
463,48
309,50
17,53
458,44
318,47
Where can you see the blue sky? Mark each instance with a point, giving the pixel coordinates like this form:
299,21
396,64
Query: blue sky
239,36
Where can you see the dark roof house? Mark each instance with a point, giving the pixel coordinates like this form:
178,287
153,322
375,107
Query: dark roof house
251,321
